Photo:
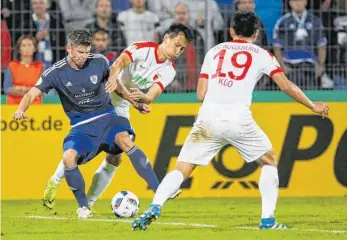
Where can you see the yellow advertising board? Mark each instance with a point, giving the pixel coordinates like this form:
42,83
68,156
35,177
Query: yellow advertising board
312,152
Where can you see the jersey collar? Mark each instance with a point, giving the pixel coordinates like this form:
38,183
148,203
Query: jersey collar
239,41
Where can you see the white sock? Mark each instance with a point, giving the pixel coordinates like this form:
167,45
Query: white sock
268,186
59,173
170,184
101,179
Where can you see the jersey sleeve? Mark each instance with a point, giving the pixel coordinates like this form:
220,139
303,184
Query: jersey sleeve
45,82
136,51
166,77
271,65
204,73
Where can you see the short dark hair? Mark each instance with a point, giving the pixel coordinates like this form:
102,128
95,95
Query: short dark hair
100,31
245,23
80,37
175,29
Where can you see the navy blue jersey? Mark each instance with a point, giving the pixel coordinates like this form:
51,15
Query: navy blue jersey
81,92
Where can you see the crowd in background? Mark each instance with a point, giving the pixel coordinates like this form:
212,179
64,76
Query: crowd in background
308,37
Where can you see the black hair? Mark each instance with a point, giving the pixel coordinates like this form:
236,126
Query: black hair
80,37
245,23
100,30
176,29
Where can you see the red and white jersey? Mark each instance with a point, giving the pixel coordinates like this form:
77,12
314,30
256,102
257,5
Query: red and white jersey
233,69
144,70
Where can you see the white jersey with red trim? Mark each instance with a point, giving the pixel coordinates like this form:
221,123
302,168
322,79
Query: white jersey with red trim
233,69
144,70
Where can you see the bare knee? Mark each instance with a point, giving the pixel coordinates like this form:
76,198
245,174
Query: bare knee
124,141
185,168
268,158
70,157
114,160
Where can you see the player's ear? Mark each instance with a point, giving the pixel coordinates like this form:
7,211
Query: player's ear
255,35
68,48
232,33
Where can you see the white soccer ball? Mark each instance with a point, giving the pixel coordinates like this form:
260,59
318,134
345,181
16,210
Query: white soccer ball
125,204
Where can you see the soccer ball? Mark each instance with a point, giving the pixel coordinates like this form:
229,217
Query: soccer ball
125,204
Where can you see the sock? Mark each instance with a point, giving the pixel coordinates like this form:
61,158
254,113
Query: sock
101,179
143,167
268,186
59,173
170,184
76,183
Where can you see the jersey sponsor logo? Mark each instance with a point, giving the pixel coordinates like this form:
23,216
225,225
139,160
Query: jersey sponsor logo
89,94
94,79
141,81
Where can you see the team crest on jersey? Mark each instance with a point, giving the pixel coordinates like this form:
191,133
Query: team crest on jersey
155,77
94,79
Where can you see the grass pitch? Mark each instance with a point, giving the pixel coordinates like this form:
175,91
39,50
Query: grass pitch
208,218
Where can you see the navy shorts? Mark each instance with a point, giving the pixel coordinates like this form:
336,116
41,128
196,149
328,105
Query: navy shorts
91,138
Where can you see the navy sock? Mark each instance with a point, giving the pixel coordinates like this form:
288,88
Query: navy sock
143,167
76,183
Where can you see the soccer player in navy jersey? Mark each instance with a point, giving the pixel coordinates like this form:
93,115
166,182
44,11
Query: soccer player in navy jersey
79,80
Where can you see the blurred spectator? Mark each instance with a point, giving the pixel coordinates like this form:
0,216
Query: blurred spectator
163,8
48,31
77,13
104,19
296,36
100,41
189,62
198,14
23,73
5,49
120,5
137,23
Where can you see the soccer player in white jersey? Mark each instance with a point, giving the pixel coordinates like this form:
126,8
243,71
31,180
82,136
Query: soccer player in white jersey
142,67
228,76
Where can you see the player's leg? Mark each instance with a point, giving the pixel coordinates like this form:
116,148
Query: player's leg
253,145
76,182
268,186
52,185
102,177
200,147
138,159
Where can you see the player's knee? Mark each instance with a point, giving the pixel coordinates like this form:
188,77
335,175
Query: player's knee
114,160
268,158
185,168
124,141
70,157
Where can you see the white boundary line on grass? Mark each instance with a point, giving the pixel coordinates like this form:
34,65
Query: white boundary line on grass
178,224
300,230
123,221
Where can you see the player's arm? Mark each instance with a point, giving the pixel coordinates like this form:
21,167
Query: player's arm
202,88
295,92
122,61
153,93
25,103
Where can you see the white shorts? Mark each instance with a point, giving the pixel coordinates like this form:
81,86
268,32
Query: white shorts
123,111
207,137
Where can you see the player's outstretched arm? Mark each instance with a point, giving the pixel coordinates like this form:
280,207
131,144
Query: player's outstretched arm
122,61
27,100
295,92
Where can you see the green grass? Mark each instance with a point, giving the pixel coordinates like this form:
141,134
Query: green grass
226,213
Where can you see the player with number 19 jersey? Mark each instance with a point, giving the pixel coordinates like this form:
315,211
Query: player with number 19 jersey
232,70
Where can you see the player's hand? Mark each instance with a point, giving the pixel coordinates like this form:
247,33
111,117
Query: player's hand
321,108
19,115
111,84
137,94
143,108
